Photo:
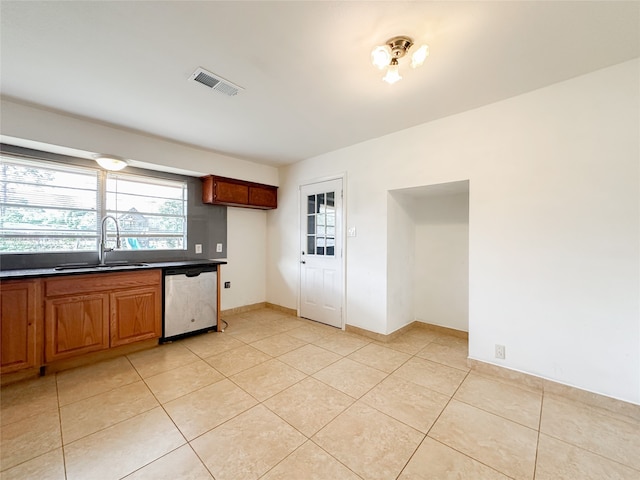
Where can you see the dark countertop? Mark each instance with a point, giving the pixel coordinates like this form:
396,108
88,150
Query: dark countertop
52,272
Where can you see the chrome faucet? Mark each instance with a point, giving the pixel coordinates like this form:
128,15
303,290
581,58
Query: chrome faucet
102,253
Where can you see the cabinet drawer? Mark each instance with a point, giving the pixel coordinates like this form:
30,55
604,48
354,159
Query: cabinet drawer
99,282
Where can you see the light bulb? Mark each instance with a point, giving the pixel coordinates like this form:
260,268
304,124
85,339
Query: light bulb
380,57
392,75
419,56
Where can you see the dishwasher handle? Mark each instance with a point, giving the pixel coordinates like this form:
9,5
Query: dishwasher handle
189,271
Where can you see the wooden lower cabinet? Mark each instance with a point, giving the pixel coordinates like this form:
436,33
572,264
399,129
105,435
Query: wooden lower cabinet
136,315
94,312
76,325
20,325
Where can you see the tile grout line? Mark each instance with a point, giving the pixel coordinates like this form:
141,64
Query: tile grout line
286,456
201,460
497,415
329,453
591,452
600,455
470,457
449,446
434,422
64,455
535,460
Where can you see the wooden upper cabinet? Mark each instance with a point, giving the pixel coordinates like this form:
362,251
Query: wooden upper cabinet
238,193
20,324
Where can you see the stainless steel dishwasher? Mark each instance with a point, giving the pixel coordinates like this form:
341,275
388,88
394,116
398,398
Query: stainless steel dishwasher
190,303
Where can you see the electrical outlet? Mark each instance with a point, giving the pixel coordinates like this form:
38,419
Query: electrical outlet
227,284
500,352
218,247
198,248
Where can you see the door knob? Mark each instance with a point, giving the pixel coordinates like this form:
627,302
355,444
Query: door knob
302,261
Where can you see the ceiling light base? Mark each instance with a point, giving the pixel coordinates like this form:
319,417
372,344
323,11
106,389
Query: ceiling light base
399,46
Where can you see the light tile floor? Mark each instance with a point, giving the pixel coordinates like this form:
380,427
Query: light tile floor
278,397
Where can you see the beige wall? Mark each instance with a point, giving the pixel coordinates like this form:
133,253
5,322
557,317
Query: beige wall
554,243
246,257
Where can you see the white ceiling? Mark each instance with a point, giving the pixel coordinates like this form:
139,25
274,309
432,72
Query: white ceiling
309,85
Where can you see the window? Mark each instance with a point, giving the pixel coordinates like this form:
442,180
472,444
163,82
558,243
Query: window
54,207
151,212
47,207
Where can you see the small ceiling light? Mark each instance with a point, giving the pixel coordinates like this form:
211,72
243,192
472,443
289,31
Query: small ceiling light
110,162
392,75
380,57
395,48
419,56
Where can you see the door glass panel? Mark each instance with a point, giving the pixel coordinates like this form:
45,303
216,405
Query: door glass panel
311,224
320,245
321,220
311,204
331,216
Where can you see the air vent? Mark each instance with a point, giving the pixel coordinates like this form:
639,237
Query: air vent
214,82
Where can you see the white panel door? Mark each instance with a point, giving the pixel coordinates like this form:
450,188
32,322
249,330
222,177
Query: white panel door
321,279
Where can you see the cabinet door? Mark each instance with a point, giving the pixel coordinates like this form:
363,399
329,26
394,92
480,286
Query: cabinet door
263,197
136,314
230,192
75,325
19,316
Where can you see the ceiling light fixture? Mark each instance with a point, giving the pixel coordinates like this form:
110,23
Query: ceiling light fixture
386,56
110,162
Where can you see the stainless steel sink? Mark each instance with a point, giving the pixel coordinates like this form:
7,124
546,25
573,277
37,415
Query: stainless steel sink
95,266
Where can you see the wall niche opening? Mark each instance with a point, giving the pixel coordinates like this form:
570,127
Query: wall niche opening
428,256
